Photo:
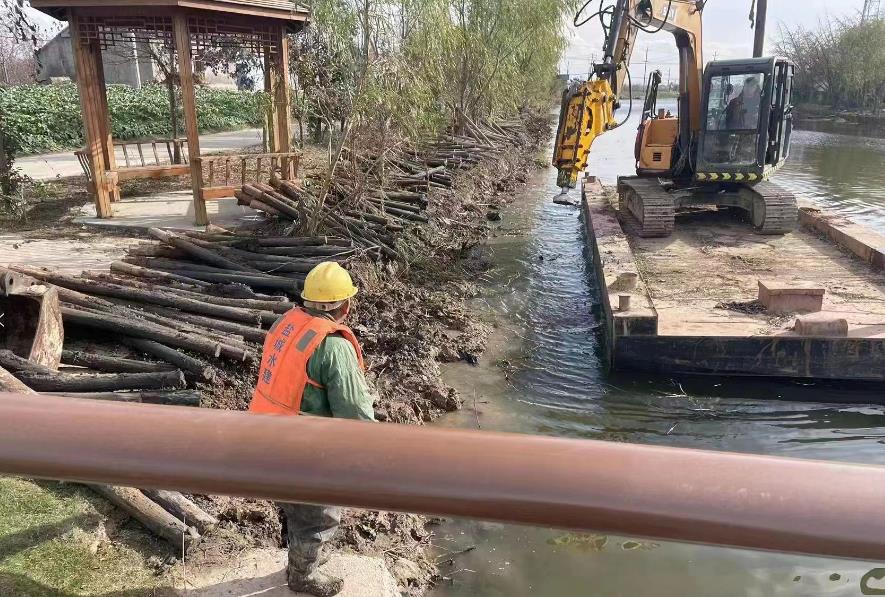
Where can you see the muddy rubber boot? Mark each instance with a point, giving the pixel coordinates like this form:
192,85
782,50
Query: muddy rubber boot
316,583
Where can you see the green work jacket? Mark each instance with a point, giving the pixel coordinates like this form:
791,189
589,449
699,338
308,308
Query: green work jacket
346,394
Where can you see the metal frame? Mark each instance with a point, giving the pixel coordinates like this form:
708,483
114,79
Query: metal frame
741,500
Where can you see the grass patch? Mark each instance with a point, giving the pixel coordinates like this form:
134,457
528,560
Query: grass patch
52,542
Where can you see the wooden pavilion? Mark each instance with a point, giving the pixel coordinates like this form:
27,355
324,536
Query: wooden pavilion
188,26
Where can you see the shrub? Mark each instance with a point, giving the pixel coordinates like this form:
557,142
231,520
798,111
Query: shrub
38,118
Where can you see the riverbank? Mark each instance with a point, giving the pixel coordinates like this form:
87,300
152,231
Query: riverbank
411,315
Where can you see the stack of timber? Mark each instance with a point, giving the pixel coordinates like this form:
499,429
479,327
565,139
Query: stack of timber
373,200
159,325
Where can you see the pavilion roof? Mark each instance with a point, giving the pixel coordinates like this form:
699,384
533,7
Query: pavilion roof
286,10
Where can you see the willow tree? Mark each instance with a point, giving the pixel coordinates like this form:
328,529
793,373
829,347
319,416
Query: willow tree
489,57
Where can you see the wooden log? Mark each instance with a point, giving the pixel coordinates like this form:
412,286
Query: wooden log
252,334
407,215
174,265
138,295
65,294
258,255
111,364
258,281
156,250
101,382
171,398
184,362
281,206
9,383
394,204
138,329
199,253
13,362
301,241
231,347
183,509
271,211
269,303
152,274
307,251
150,514
277,306
275,267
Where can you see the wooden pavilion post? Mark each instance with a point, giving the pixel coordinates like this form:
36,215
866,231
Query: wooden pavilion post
189,105
94,111
110,159
281,99
270,116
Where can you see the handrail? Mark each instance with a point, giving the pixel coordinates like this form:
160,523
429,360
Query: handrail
742,500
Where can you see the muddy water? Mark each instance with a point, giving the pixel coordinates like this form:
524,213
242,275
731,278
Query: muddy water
542,375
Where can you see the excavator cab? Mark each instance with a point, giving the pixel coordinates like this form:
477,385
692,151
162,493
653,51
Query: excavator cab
747,120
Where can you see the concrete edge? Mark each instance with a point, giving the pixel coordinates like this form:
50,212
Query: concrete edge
600,220
865,243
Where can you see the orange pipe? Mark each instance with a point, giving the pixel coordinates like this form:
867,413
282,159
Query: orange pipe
741,500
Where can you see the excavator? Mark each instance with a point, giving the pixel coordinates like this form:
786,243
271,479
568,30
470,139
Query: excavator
731,133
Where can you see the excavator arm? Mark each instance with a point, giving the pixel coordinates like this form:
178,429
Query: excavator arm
588,107
587,112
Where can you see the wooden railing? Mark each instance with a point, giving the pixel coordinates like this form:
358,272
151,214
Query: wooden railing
224,174
141,163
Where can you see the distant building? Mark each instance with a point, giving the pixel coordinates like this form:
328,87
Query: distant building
127,63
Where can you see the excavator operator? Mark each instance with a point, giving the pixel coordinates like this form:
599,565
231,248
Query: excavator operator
742,111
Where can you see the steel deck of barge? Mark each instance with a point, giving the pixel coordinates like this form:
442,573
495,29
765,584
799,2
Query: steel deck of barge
691,310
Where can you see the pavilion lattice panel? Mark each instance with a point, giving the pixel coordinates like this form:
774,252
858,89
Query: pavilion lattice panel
210,32
112,31
206,33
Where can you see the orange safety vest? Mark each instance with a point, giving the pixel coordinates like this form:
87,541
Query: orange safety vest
287,349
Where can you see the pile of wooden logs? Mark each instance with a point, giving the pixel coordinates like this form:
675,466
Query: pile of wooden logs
161,321
186,302
373,199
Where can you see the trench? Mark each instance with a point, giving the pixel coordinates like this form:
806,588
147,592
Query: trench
541,374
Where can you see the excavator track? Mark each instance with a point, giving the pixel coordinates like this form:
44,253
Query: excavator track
774,209
652,208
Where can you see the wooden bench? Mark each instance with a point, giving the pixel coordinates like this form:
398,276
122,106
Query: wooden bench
136,158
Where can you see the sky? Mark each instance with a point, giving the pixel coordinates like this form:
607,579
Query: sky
727,34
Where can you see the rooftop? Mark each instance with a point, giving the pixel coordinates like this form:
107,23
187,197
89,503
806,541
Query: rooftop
275,9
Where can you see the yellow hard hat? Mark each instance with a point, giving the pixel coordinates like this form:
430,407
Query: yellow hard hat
328,282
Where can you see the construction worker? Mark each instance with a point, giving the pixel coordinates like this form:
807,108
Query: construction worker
312,364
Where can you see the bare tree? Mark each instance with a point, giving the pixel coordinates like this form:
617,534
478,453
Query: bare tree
18,66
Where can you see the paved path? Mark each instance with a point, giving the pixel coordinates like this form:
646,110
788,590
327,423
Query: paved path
46,166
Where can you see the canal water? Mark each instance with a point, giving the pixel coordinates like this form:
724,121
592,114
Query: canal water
542,375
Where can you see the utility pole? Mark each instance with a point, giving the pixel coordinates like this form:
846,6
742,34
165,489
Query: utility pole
871,10
761,15
645,68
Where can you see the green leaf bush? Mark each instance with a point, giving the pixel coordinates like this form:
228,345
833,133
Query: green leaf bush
40,118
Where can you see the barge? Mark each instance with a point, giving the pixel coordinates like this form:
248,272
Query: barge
716,298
